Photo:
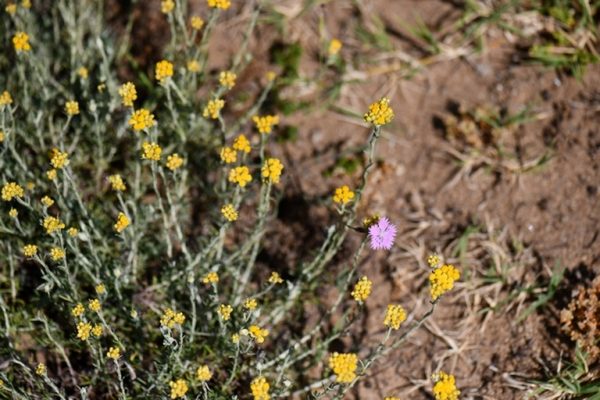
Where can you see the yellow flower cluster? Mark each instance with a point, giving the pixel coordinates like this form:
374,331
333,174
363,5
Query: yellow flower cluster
240,175
193,66
40,369
151,151
166,6
141,119
241,143
434,260
334,47
213,108
13,213
164,70
227,79
203,373
260,388
122,222
117,184
343,195
380,112
1,136
78,310
178,388
265,124
225,311
171,318
229,212
100,288
222,4
56,253
391,398
275,278
362,289
94,305
53,224
114,353
29,250
11,9
128,94
174,162
21,42
394,316
442,279
5,99
83,72
250,304
258,334
196,22
83,330
343,366
47,201
445,387
97,330
370,220
271,170
11,190
51,174
228,155
72,108
211,277
58,159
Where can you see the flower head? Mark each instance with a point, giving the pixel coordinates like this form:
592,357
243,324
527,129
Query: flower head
166,6
83,72
56,253
47,201
343,366
11,8
116,183
394,316
128,94
83,330
260,388
229,212
445,387
5,99
174,162
265,124
171,318
178,388
213,108
250,304
380,112
343,195
222,4
52,224
227,79
97,330
122,223
21,42
72,231
334,47
164,70
196,22
72,108
211,277
257,333
59,159
203,373
94,305
225,311
362,289
228,155
151,151
11,190
29,250
434,260
40,369
114,353
100,289
193,66
51,174
13,213
240,175
241,143
382,234
141,119
275,278
441,280
271,170
78,310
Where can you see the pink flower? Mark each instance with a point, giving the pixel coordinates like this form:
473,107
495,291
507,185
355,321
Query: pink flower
382,234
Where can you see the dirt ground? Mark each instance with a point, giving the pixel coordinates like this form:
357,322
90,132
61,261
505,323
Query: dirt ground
478,213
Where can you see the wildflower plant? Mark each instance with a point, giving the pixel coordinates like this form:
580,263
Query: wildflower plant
137,274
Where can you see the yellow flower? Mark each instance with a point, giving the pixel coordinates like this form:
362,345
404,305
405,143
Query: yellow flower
240,175
56,253
26,3
334,47
97,330
250,304
196,22
228,155
229,213
178,388
343,366
434,260
271,75
101,87
29,250
242,144
445,387
11,9
47,201
30,185
227,79
122,222
265,124
380,112
72,231
1,136
362,289
72,108
275,278
83,330
21,42
117,184
391,398
260,388
100,289
40,369
83,72
370,220
193,66
203,373
141,119
258,334
164,70
174,162
53,224
211,277
51,174
58,159
94,305
343,195
13,213
271,170
5,99
128,94
222,4
235,338
114,353
166,6
225,311
151,151
213,108
394,316
78,310
171,318
11,190
442,279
